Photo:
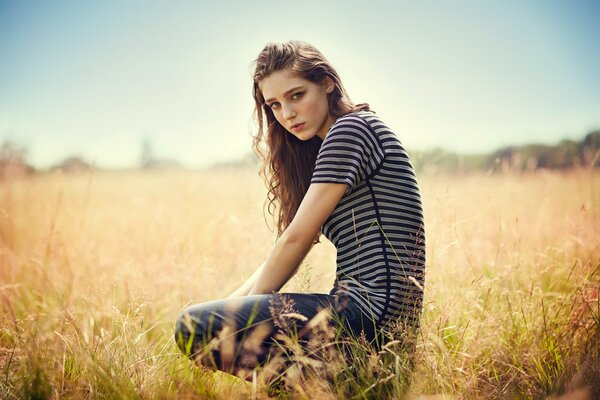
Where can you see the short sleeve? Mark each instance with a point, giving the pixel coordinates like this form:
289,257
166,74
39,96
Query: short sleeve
350,153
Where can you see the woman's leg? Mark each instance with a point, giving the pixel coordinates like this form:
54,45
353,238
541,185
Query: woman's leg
234,335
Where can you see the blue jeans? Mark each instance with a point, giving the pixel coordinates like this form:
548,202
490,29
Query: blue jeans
241,332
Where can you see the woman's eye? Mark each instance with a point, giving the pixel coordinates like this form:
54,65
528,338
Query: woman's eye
275,104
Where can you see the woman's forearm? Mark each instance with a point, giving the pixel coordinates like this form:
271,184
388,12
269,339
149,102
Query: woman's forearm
248,284
282,264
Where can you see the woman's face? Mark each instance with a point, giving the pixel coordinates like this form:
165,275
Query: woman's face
299,105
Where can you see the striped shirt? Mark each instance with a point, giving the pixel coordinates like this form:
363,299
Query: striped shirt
377,227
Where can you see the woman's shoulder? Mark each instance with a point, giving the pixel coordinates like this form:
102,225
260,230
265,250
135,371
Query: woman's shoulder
357,119
359,114
351,129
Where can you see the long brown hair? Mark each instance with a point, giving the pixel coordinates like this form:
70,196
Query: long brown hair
288,162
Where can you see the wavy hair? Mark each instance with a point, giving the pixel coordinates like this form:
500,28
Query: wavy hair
288,162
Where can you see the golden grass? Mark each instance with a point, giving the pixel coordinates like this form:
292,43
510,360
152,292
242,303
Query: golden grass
95,267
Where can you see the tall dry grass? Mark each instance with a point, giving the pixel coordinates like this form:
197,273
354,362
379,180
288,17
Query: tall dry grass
95,267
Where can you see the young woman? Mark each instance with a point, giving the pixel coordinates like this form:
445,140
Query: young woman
335,168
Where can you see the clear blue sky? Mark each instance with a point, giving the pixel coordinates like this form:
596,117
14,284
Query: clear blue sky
96,78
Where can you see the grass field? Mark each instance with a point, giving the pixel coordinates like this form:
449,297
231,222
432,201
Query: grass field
95,267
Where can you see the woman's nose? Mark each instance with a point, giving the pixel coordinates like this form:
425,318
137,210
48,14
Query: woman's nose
288,112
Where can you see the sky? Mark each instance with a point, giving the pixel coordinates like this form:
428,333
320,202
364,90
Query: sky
97,79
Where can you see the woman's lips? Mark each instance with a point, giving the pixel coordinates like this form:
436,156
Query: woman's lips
298,127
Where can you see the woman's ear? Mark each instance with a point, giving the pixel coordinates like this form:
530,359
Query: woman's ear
329,84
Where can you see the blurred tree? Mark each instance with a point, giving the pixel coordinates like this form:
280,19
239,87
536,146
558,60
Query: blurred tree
73,164
148,160
13,161
590,149
147,156
440,160
566,154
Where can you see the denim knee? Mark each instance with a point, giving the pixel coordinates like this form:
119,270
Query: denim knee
186,330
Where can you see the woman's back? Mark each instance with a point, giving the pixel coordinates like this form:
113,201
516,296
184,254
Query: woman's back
378,226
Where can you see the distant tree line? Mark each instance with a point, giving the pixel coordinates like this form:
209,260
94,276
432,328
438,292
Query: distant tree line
13,161
565,155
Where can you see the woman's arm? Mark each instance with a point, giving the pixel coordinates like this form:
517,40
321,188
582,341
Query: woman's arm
244,290
246,286
295,242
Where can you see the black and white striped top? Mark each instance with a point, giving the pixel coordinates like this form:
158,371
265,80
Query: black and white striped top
378,226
